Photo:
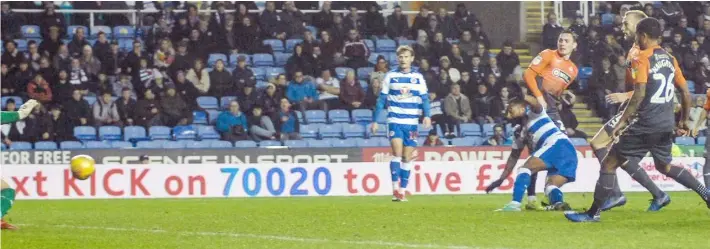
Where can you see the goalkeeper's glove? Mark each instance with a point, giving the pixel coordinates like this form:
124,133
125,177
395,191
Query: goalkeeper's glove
494,185
26,108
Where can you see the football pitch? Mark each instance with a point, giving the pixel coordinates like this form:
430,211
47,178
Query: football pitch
461,222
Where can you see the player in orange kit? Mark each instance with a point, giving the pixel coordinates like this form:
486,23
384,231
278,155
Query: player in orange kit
706,168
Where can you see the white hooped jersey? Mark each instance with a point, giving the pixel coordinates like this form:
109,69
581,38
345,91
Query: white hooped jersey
540,129
404,93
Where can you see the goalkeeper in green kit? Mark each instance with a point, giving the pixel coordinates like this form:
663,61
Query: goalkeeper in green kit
7,193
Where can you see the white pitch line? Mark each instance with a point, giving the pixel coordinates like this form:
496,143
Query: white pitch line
269,237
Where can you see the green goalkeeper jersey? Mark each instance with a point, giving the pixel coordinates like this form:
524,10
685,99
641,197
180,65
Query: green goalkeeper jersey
9,117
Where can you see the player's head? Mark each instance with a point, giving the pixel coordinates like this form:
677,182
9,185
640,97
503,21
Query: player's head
566,43
631,19
516,110
405,56
648,32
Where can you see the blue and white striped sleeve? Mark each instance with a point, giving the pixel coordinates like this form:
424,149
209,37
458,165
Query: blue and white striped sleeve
424,93
382,99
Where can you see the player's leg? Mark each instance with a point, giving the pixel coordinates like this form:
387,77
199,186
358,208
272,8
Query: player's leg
7,194
706,168
554,193
532,196
522,181
405,170
600,146
395,164
661,152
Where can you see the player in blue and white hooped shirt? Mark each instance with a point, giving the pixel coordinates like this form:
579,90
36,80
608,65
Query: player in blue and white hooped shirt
406,97
552,151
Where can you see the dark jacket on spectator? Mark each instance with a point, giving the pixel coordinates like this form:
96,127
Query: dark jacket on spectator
328,51
248,101
37,124
11,24
46,21
181,63
143,114
374,24
439,49
20,79
132,61
102,50
126,109
420,22
550,33
272,24
174,109
222,83
303,63
111,62
691,59
292,125
397,26
350,93
323,20
76,46
464,20
62,128
62,90
294,20
424,52
270,104
77,109
50,46
188,91
248,38
482,105
507,63
12,60
448,27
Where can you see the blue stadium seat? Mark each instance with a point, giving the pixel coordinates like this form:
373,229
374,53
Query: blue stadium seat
261,85
340,72
212,116
585,73
406,42
363,73
309,131
386,45
134,133
462,141
353,130
124,32
364,85
685,141
291,44
315,116
174,144
701,141
607,19
199,117
46,145
691,85
2,145
125,45
71,145
18,101
20,145
263,60
85,133
578,141
362,116
199,144
361,142
30,31
96,29
234,59
422,131
332,130
121,144
392,59
272,72
159,132
339,143
259,72
97,145
381,131
269,143
110,133
281,59
90,99
207,102
319,143
212,59
313,30
21,45
224,101
370,45
373,58
470,130
207,132
299,115
227,144
488,129
245,144
149,145
382,141
296,144
381,117
276,45
71,30
184,132
338,116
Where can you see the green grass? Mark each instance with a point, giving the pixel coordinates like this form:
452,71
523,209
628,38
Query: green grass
349,222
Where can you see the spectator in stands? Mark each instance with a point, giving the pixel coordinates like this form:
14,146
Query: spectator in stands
242,11
568,117
12,132
616,48
22,77
464,19
133,59
493,83
160,84
374,23
77,109
175,110
323,20
218,20
183,60
702,76
286,121
467,45
186,89
433,139
439,46
355,50
437,113
507,60
692,57
482,103
339,31
76,45
698,117
78,77
90,64
550,32
494,69
373,91
248,98
498,138
453,74
425,69
126,107
232,124
682,29
578,27
704,45
62,128
102,84
46,70
102,47
33,55
222,82
123,82
398,25
458,109
281,84
351,93
329,88
51,18
421,20
422,48
147,111
295,20
106,111
459,60
330,50
39,125
499,105
677,44
300,61
479,35
309,42
447,25
442,85
603,82
483,54
11,23
199,45
12,56
199,77
352,20
111,64
193,18
272,24
62,90
260,126
468,86
596,49
269,101
49,46
303,93
144,76
6,87
651,11
478,72
165,55
38,89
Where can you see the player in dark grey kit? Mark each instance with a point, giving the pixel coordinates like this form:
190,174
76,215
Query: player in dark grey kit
649,120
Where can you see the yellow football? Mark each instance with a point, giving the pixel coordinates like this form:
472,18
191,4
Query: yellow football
82,166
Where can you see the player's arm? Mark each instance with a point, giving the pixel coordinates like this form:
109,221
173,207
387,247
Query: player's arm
382,99
517,150
426,105
22,113
685,101
641,69
9,117
535,69
534,104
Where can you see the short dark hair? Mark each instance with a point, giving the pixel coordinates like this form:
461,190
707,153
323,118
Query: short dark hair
574,36
650,27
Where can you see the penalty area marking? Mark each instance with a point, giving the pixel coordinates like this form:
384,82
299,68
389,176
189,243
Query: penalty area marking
267,237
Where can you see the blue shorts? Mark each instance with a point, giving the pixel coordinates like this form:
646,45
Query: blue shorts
408,133
560,157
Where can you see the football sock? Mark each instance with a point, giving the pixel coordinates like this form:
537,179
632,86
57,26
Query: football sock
686,179
554,194
639,174
531,185
394,170
706,172
600,154
404,175
7,199
602,191
522,181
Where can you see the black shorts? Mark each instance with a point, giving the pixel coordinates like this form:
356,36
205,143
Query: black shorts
638,145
